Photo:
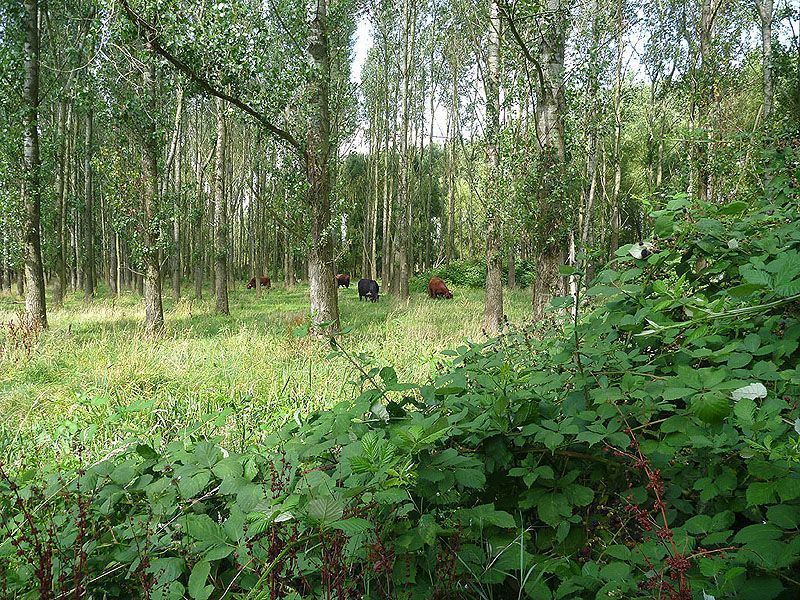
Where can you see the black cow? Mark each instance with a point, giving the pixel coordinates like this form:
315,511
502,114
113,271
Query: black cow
368,288
343,280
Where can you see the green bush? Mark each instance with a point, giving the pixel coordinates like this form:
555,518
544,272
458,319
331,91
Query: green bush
469,273
649,451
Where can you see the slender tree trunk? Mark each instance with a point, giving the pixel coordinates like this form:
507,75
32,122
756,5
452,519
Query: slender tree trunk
404,195
88,212
512,268
617,154
321,275
113,262
151,284
177,149
493,309
765,11
455,134
376,191
220,217
35,305
61,145
709,12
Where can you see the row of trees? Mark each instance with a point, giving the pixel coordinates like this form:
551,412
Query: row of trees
195,140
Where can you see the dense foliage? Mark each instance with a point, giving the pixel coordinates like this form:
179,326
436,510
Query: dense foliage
470,273
650,449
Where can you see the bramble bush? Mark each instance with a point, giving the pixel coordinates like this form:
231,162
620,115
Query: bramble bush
648,449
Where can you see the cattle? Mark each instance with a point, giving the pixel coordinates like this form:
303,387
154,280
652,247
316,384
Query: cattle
264,281
368,289
437,289
343,280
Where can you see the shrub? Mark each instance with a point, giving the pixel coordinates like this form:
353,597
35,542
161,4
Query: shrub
649,451
470,273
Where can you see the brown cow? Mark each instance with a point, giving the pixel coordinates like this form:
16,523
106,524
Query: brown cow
264,281
437,289
343,280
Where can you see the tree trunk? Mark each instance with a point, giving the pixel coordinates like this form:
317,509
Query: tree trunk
61,145
375,154
512,268
88,216
454,134
550,132
220,218
709,11
765,8
493,309
404,195
151,285
113,262
617,155
35,305
176,203
321,269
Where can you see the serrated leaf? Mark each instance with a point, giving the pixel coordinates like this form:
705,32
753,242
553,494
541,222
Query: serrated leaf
352,526
710,407
745,410
325,510
197,581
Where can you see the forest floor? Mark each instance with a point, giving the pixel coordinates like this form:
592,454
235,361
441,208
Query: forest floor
94,376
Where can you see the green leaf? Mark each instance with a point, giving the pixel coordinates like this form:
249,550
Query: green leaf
618,551
567,270
710,407
470,478
325,510
760,493
552,507
352,526
664,226
745,411
733,208
189,487
784,515
197,581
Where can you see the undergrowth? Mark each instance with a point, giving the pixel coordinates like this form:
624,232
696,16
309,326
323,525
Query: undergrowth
648,449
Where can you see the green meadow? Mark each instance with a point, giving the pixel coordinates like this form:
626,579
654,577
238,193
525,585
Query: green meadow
94,379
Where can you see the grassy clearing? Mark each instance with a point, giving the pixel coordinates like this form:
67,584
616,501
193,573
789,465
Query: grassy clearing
96,377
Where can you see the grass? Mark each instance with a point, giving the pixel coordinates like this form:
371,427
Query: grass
94,377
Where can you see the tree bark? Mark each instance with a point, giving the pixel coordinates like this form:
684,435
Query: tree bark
151,284
35,304
322,282
493,309
220,217
176,201
88,212
61,145
617,155
403,213
765,11
549,248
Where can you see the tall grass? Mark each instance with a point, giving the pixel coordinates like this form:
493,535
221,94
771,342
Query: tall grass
95,379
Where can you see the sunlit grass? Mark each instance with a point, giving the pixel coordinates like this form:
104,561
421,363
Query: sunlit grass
95,376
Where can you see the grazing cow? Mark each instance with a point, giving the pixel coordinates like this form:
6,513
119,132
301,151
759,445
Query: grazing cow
437,289
368,288
264,281
343,280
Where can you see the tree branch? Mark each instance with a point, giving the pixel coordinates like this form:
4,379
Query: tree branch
150,36
504,8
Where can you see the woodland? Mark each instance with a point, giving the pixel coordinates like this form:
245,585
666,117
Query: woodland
578,375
